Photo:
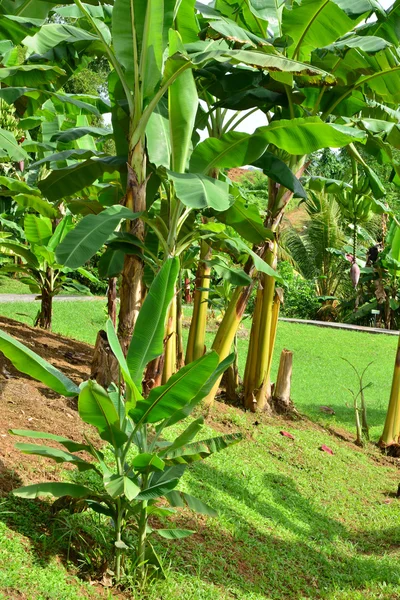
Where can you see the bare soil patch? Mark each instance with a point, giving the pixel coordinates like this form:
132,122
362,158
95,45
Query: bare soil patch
27,404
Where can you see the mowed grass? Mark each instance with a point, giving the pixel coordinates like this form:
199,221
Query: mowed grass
80,320
320,375
294,523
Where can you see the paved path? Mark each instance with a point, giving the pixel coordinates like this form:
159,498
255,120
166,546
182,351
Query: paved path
342,326
60,298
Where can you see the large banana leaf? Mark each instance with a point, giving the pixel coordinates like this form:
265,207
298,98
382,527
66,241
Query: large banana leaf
313,24
73,154
246,220
183,104
96,408
308,134
30,75
76,133
60,456
40,205
37,231
200,450
49,36
80,244
32,364
180,389
53,488
199,191
148,335
9,147
207,386
42,435
66,182
233,149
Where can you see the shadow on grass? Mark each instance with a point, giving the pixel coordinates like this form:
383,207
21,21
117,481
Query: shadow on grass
344,416
277,543
76,539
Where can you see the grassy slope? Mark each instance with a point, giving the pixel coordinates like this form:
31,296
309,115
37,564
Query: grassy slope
320,376
294,522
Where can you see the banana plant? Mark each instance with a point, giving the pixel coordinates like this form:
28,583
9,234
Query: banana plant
338,103
38,267
139,467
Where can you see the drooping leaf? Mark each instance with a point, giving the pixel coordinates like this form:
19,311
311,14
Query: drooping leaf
199,191
70,445
60,456
246,220
70,135
9,147
52,488
90,234
41,205
180,389
180,499
111,263
233,275
174,534
200,450
65,182
32,364
207,386
158,490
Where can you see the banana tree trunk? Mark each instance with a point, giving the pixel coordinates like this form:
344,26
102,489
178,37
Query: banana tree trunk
131,290
257,376
391,431
45,315
228,328
197,332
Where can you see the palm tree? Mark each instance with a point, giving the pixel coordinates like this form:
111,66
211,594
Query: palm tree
310,250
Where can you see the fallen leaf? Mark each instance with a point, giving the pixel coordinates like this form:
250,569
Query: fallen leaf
326,449
287,434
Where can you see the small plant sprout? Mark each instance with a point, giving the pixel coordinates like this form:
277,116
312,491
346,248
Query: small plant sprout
359,404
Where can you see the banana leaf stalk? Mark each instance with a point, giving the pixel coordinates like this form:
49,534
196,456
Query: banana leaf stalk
197,332
391,430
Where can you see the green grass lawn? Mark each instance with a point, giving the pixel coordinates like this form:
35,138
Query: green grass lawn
320,376
294,522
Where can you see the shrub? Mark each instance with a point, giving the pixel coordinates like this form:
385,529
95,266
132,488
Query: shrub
300,298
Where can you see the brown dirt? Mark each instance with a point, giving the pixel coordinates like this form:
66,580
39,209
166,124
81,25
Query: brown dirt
27,404
237,174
